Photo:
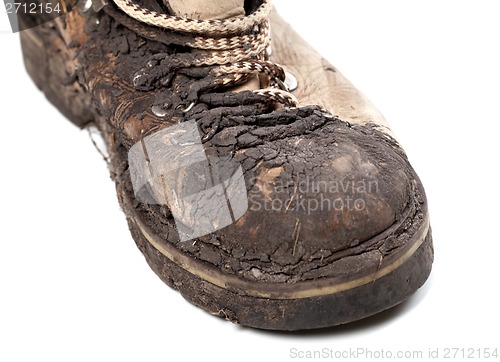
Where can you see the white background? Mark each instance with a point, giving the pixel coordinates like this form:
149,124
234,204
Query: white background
73,286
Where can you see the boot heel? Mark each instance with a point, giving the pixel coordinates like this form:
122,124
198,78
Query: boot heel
51,67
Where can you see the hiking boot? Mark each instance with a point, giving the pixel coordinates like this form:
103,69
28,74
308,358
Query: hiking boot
255,178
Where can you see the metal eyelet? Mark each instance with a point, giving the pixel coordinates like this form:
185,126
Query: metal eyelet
291,82
187,109
159,110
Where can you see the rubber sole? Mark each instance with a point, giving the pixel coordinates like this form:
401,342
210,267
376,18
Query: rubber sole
303,305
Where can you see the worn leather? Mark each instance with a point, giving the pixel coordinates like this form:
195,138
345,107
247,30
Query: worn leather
286,155
337,226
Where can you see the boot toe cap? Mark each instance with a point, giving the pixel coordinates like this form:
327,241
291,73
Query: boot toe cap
325,193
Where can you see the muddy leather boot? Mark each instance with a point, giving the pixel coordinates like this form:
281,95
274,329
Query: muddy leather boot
255,178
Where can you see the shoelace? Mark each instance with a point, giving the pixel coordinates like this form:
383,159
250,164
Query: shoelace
237,47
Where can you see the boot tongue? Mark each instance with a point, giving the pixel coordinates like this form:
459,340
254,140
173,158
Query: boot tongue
206,10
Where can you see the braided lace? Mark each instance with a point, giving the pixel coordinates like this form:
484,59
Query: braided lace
236,48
